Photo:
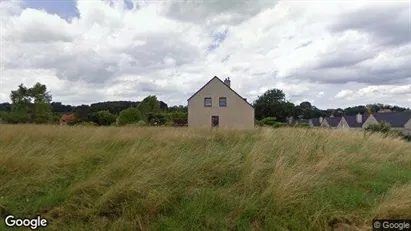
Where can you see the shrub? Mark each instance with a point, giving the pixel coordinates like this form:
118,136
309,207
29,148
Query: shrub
269,121
157,119
141,123
279,125
105,118
381,127
129,116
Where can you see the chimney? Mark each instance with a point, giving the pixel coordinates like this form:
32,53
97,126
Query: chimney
227,82
321,119
359,118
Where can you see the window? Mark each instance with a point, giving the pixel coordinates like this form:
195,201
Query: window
223,102
207,102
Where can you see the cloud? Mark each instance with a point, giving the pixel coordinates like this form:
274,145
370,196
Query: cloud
344,94
215,12
116,50
380,21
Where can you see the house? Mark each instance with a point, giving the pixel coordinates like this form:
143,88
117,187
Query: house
216,104
66,118
352,121
315,122
400,121
331,122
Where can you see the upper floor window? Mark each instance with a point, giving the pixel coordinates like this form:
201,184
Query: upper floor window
223,102
207,102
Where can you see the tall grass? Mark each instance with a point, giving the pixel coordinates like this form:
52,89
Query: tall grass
85,178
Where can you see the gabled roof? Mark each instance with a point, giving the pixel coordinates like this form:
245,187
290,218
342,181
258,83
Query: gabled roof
315,122
333,121
396,119
352,121
215,77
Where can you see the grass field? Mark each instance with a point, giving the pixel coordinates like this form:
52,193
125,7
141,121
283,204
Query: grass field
87,178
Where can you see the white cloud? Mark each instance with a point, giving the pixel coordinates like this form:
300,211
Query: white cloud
344,94
172,48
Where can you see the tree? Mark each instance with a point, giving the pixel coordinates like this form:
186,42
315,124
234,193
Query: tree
306,105
42,99
105,118
82,112
129,116
150,104
30,104
273,104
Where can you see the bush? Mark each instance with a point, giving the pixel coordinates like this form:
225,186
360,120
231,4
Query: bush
169,123
105,118
269,121
157,119
279,125
381,127
129,116
141,123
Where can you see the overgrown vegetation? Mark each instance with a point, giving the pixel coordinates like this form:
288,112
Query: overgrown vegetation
386,130
157,178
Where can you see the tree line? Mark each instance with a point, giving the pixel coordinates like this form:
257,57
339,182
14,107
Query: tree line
273,106
34,105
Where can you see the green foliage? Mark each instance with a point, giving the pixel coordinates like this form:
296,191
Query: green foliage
82,112
141,123
381,127
42,113
150,104
4,116
280,125
17,117
87,124
105,118
269,121
157,119
30,105
273,104
129,116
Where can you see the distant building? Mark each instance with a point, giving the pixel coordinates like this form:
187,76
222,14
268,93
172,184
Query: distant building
355,121
331,122
400,121
67,118
315,122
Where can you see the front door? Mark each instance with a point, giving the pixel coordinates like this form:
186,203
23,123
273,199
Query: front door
215,121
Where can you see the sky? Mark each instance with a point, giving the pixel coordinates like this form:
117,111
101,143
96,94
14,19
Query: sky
331,53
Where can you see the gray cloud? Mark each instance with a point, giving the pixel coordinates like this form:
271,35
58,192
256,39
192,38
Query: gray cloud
342,58
355,74
216,11
388,24
304,44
